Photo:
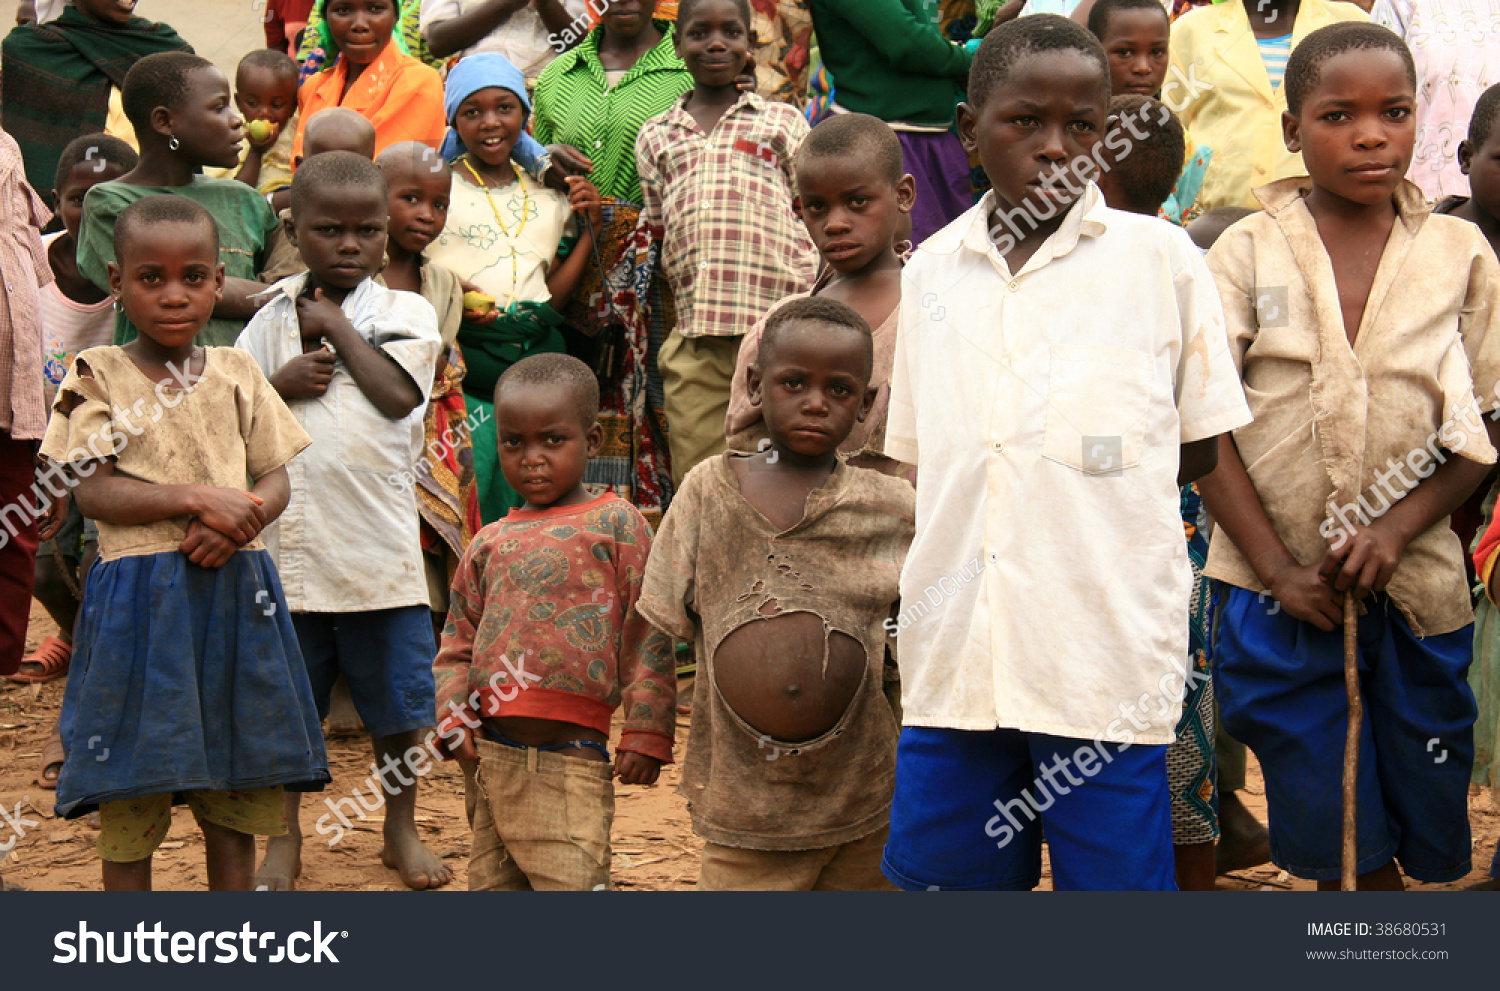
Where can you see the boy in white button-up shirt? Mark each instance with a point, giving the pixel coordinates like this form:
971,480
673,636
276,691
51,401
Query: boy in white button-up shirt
354,362
1060,369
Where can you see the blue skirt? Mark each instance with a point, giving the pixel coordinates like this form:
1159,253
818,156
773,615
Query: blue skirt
186,678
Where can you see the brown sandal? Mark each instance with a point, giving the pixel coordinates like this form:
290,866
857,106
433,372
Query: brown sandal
51,661
52,760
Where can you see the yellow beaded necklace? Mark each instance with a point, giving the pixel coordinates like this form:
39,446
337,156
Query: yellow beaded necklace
509,238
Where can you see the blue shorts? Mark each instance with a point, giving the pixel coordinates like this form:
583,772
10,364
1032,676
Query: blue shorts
1280,685
385,655
971,808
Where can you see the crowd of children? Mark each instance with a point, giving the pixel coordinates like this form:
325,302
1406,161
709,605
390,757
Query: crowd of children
996,509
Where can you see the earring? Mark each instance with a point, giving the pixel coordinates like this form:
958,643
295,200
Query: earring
118,308
174,144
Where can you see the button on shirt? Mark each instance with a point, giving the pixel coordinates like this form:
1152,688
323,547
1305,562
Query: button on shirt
348,541
1047,586
731,245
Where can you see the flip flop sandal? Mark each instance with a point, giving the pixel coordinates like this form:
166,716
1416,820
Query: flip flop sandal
52,760
51,660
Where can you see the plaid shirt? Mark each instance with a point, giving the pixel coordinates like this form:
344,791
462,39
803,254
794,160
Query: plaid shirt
731,245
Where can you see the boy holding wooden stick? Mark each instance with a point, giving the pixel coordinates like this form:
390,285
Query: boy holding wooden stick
1368,372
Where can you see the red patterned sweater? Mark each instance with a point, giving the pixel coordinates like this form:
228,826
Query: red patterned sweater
542,623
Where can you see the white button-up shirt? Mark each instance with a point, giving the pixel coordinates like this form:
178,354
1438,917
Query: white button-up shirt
349,540
1048,583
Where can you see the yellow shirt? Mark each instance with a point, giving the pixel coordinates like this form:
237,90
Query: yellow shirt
116,124
1219,87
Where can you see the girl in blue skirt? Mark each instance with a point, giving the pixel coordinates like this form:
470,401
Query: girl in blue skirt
187,684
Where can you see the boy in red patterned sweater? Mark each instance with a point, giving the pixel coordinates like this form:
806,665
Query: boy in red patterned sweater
543,643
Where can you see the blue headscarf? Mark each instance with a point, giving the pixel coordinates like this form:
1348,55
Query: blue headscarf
469,76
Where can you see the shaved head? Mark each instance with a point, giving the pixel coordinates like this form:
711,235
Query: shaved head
338,129
411,159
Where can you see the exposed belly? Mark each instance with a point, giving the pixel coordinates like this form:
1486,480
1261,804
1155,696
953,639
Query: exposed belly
772,673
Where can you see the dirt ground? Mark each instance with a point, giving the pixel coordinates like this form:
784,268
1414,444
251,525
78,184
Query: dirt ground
654,845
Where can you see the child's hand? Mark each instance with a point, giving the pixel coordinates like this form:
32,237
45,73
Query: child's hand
583,197
1304,595
52,518
305,376
234,513
745,81
458,743
636,769
317,315
477,317
207,547
570,161
1361,558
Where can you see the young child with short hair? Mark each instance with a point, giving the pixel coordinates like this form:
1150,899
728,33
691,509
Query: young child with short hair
355,362
1479,159
333,129
1227,64
419,184
544,643
368,72
184,120
781,568
716,180
1360,366
187,673
265,89
1023,401
1146,158
854,197
75,315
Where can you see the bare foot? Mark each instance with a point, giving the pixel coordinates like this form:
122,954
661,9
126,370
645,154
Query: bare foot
282,865
404,853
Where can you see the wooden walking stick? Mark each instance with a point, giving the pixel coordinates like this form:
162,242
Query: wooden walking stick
1351,740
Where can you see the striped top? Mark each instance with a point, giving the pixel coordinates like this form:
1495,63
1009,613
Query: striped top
1274,52
575,105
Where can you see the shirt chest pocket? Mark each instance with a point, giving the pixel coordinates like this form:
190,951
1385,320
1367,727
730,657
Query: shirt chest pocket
363,440
1097,403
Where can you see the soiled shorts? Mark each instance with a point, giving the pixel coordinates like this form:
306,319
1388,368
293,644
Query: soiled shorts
541,821
852,866
1281,691
385,655
131,829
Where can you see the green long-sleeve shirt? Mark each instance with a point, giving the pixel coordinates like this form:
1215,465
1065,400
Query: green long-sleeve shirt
891,59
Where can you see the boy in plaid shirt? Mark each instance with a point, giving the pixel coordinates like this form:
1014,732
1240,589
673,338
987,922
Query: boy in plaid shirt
716,183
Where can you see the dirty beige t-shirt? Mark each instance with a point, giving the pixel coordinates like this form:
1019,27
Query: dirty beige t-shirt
225,430
714,564
1331,421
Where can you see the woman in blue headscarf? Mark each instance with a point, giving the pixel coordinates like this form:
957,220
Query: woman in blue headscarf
509,238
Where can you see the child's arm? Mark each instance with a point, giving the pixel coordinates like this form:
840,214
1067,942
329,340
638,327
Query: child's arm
209,548
455,655
1365,557
583,197
1197,459
385,383
647,673
1231,500
109,498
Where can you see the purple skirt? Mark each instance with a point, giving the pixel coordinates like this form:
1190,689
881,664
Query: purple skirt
941,167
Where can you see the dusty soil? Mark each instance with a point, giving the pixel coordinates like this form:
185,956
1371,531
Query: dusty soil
654,845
